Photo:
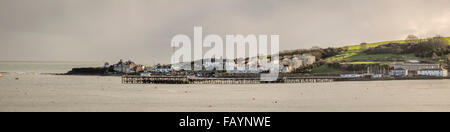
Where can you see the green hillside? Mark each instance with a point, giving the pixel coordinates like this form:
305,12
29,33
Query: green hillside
355,53
325,69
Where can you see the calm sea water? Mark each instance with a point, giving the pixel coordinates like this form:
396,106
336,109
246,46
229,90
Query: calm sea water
42,67
24,88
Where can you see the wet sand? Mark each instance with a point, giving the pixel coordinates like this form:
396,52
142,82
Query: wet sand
36,92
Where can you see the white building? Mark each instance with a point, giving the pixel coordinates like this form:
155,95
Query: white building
351,76
399,72
182,66
308,59
106,65
377,75
437,72
290,63
162,69
213,65
145,73
285,65
415,66
124,67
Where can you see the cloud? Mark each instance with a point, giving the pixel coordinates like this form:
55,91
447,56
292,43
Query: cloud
106,30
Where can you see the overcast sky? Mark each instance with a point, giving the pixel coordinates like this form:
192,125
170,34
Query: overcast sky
107,30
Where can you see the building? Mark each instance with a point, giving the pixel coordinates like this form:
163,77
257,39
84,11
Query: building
285,65
399,72
106,65
308,59
291,63
139,68
415,66
437,72
145,73
213,65
351,76
297,62
162,68
376,75
181,66
125,67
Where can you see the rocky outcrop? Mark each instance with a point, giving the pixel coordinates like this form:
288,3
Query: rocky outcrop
88,71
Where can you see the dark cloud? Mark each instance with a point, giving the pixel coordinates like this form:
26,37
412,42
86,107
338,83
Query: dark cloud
106,30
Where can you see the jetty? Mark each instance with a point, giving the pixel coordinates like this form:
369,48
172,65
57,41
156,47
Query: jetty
129,79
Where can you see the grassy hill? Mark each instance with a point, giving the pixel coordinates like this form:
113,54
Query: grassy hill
355,53
325,69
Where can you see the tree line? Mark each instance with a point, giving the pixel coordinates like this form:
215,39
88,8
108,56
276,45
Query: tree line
432,47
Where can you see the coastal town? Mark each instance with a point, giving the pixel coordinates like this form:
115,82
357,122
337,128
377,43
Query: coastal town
137,73
288,64
412,58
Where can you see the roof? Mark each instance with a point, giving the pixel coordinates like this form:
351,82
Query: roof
422,64
435,69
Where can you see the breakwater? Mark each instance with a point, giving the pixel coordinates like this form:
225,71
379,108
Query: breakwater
131,79
88,71
127,79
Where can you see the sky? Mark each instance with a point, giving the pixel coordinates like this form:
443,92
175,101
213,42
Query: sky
141,30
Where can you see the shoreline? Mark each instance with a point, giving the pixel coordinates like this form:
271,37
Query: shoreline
336,78
103,73
240,80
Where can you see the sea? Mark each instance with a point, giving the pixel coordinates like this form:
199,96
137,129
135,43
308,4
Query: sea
33,86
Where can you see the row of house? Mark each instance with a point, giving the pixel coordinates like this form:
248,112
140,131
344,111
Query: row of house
408,69
436,72
129,67
433,72
415,66
126,67
287,64
368,75
162,68
290,63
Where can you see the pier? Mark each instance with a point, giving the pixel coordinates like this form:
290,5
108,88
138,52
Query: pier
196,80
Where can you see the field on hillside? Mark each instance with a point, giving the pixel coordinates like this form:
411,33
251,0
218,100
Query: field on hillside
355,53
325,69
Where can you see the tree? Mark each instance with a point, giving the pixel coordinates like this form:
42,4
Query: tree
412,39
432,47
363,46
435,56
448,58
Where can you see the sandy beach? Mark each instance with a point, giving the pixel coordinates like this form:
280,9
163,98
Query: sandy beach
37,92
